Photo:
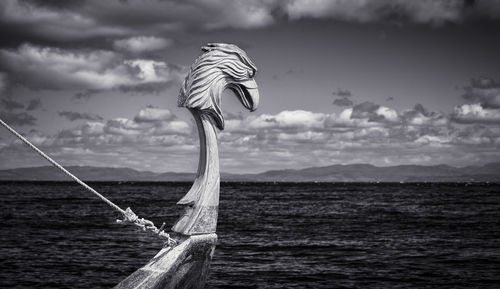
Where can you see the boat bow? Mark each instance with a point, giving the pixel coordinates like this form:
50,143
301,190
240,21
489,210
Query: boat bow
221,66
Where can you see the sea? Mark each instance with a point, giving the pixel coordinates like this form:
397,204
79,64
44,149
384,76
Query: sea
270,235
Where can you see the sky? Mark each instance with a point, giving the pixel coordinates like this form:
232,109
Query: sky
341,82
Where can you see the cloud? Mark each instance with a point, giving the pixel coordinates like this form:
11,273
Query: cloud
10,114
483,90
35,18
73,115
115,19
18,118
156,139
289,72
343,97
374,112
3,82
124,22
478,136
489,8
86,94
237,14
476,113
137,142
53,68
426,11
342,93
374,134
389,114
33,104
124,127
433,140
151,126
142,44
346,126
343,102
420,116
153,114
10,104
365,110
297,119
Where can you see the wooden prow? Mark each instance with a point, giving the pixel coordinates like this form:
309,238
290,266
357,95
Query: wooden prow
186,265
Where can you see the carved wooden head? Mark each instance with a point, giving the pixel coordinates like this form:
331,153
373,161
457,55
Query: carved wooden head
221,66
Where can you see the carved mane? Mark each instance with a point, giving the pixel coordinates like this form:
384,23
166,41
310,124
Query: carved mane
220,67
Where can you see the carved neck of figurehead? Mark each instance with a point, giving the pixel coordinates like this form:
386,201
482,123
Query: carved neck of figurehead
202,200
221,66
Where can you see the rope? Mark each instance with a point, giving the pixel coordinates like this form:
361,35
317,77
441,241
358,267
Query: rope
129,217
54,163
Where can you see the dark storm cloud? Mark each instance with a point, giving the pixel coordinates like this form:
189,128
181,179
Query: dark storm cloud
73,115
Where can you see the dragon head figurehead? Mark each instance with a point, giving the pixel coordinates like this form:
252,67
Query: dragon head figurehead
221,66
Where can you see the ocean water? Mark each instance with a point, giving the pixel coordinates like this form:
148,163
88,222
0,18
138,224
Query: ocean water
56,235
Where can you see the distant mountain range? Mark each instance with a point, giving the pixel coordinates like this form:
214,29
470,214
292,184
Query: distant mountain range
335,173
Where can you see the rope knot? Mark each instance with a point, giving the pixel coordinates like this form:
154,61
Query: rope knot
129,216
